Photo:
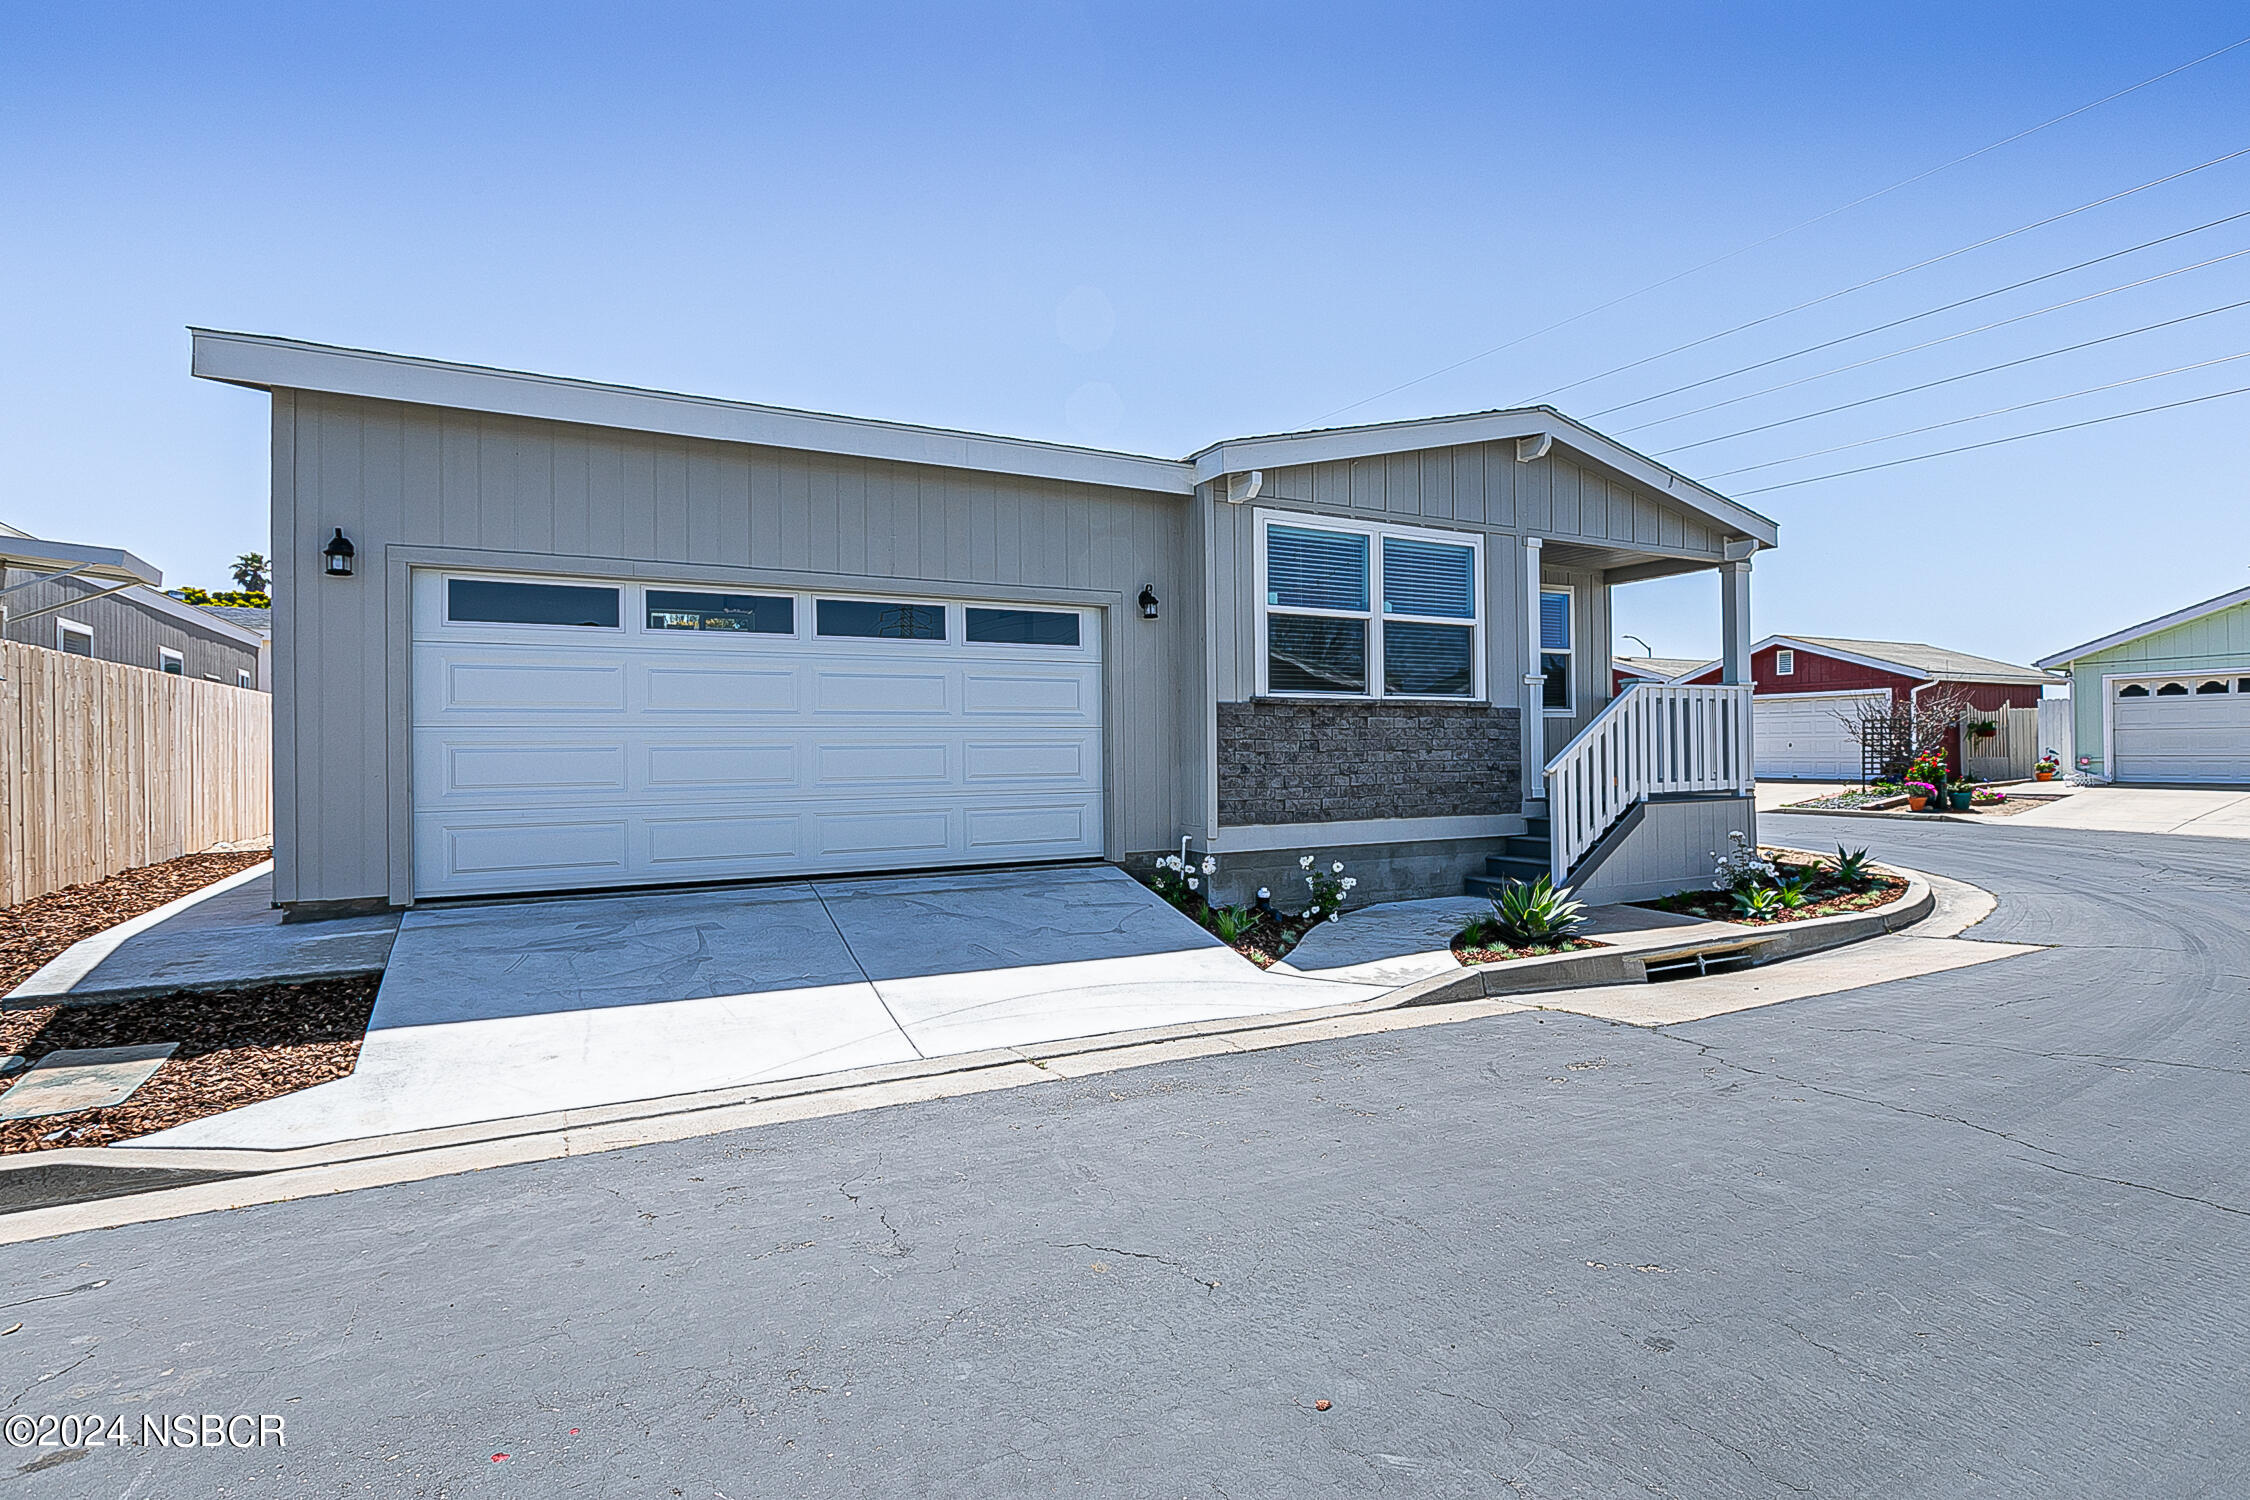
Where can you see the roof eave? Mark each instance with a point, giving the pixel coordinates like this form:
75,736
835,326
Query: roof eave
2147,628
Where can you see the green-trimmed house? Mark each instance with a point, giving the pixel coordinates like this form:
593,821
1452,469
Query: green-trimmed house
2167,700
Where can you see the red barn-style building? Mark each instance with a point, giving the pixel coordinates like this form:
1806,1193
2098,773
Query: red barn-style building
1803,681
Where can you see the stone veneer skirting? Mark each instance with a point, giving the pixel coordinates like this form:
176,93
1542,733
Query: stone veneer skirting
1291,761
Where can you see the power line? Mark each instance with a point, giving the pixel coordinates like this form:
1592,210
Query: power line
2013,286
1998,411
1785,233
2107,338
1996,442
1876,359
1887,276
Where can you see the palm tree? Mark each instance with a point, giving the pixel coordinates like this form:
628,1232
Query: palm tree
250,572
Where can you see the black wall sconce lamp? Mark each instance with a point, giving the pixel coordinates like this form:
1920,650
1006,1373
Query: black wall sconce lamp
1148,600
336,557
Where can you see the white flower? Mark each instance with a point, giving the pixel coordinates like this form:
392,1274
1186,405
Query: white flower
1332,916
1193,882
1305,863
1210,865
1350,881
1337,867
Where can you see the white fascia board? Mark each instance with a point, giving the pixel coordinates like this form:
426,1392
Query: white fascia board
188,614
2147,627
1240,455
1833,653
267,363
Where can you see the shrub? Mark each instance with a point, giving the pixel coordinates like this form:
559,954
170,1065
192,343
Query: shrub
1530,915
1326,890
1180,881
1758,901
1741,866
1854,868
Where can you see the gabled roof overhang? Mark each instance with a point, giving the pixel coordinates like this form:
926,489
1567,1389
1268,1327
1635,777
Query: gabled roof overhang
2147,627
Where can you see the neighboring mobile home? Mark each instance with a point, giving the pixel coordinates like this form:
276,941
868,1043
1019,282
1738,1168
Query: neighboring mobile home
1808,685
536,634
53,595
2167,700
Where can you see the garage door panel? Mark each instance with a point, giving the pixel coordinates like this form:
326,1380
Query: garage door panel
2193,737
1026,828
1803,737
545,759
886,694
671,766
748,690
736,841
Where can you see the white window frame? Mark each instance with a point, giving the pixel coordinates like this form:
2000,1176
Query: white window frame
1539,651
800,613
243,679
1374,614
445,620
1784,662
168,660
65,627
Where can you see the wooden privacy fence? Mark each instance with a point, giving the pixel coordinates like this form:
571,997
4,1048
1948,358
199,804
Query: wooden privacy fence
2007,755
105,767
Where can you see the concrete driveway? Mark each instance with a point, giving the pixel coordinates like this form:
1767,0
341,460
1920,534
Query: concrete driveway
2206,812
496,1010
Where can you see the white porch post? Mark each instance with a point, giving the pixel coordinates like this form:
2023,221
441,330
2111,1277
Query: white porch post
1734,622
1532,721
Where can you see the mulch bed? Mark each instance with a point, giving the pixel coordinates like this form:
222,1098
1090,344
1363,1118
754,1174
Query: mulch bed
1827,899
34,932
1477,953
236,1047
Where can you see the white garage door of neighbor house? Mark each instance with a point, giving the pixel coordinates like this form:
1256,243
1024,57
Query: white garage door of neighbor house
583,734
2181,729
1800,736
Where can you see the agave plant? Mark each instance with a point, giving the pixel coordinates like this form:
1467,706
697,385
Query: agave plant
1536,914
1854,868
1759,901
1796,891
1233,922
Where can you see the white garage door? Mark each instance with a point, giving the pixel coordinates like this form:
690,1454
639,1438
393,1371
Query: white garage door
2182,729
1800,737
576,734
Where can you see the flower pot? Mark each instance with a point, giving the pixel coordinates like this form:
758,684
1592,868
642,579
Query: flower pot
1961,799
1916,804
2042,774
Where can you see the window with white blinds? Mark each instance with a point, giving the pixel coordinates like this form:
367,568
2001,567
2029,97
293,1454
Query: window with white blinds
1557,633
1368,611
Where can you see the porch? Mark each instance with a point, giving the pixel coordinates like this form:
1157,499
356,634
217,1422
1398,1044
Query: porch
1627,791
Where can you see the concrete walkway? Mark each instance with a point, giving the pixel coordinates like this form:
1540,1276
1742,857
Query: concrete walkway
227,935
497,1010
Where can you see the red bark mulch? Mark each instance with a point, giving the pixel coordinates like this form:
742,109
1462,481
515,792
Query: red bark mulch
236,1047
35,931
1484,953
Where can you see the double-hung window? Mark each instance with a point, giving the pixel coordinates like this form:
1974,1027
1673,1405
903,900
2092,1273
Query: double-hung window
1368,611
1558,631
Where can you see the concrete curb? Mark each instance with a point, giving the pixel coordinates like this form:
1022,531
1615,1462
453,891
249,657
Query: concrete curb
57,1192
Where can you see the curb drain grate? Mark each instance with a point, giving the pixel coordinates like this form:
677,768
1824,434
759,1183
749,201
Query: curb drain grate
1695,965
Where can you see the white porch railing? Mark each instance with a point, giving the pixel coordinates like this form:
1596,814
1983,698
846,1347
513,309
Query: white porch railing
1652,739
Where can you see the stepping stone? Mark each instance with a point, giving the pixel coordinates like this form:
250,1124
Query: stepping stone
9,1062
87,1078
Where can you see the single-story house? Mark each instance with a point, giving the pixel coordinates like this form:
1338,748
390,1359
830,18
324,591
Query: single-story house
1624,669
538,634
2167,700
258,620
105,603
1806,684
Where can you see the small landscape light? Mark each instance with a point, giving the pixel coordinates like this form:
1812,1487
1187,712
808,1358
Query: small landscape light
1148,598
336,557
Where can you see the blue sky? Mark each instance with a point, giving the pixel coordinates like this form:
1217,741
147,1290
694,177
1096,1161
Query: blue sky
1149,226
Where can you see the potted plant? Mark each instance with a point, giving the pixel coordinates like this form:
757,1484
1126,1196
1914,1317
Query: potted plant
1983,729
2048,767
1961,794
1919,794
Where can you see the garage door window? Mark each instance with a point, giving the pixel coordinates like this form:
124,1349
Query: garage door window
2172,690
1023,627
2210,687
487,602
874,619
2132,690
754,614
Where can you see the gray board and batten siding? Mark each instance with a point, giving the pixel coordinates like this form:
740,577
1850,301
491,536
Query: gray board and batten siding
427,486
1588,519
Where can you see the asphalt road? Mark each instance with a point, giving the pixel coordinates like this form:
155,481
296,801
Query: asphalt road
1976,1234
